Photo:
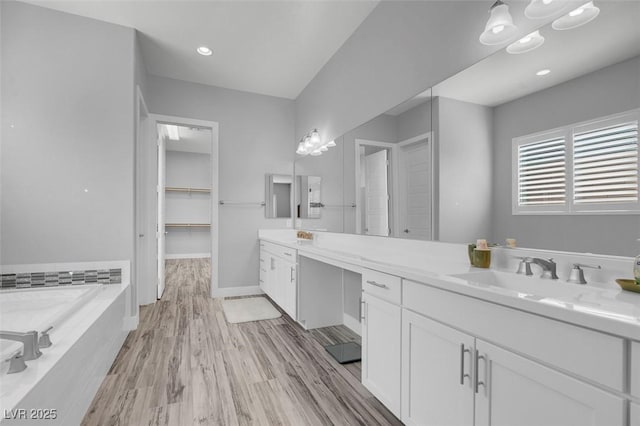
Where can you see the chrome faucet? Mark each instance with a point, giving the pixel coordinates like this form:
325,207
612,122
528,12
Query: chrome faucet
28,339
548,268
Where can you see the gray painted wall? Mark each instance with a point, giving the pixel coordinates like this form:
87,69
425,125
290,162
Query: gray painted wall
256,134
68,125
401,49
463,133
608,91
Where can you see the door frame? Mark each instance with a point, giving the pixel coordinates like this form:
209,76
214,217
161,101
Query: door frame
390,178
397,149
144,245
215,195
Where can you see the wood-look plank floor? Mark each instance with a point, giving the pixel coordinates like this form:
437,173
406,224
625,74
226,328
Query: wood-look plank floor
186,365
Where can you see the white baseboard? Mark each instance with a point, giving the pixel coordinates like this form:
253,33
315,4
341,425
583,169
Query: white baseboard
188,256
236,291
352,324
131,322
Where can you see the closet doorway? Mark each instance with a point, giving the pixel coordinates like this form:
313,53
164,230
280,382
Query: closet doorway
186,203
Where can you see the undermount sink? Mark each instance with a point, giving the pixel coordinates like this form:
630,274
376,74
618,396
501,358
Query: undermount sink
532,286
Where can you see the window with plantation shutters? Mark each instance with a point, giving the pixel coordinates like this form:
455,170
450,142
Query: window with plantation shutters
605,165
542,173
585,168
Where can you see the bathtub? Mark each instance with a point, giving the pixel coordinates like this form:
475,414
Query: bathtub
38,309
89,329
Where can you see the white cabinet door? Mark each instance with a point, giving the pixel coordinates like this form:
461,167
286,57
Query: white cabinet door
436,373
272,276
264,264
512,391
635,414
289,289
635,370
381,339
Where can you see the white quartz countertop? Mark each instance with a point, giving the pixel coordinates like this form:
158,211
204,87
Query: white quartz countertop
600,306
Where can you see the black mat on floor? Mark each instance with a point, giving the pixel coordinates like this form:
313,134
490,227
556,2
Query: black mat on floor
345,353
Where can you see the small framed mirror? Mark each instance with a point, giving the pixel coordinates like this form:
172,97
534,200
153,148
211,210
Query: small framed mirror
278,196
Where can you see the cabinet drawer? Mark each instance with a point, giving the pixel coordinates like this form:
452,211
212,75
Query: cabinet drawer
565,346
635,414
382,285
278,250
635,369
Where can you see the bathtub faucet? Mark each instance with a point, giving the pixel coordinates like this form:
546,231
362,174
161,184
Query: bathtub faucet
28,339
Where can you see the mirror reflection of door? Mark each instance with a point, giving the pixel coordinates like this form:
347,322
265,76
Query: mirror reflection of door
414,196
376,193
278,196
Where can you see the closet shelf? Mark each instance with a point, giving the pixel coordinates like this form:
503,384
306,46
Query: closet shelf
180,189
187,225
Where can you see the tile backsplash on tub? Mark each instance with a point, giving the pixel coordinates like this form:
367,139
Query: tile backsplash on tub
60,278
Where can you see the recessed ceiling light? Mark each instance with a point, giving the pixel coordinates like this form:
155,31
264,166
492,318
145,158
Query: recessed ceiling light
204,51
543,72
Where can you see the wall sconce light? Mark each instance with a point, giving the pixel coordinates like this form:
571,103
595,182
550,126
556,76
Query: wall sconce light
526,43
540,9
577,17
499,28
311,144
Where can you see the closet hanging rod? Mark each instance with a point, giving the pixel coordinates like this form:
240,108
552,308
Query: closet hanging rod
181,189
334,206
187,225
242,203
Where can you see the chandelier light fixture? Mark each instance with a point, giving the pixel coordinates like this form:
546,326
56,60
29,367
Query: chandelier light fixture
499,28
577,17
526,43
311,144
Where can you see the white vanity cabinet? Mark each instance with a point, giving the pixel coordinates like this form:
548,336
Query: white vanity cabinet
451,375
381,338
278,276
446,373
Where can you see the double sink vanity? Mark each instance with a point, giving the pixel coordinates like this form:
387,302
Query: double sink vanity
446,343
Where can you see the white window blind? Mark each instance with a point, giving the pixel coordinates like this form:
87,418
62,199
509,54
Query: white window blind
605,165
592,167
542,173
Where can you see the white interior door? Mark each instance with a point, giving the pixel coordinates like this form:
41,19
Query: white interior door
415,207
376,194
161,210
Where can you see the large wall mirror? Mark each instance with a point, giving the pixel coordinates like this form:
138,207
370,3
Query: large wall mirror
562,194
387,173
449,151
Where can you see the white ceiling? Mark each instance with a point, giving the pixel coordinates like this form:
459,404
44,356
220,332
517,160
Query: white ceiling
611,38
192,139
267,47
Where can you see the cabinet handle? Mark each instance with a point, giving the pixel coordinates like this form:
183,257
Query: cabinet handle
479,383
288,254
273,264
292,274
377,284
363,306
462,373
262,260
